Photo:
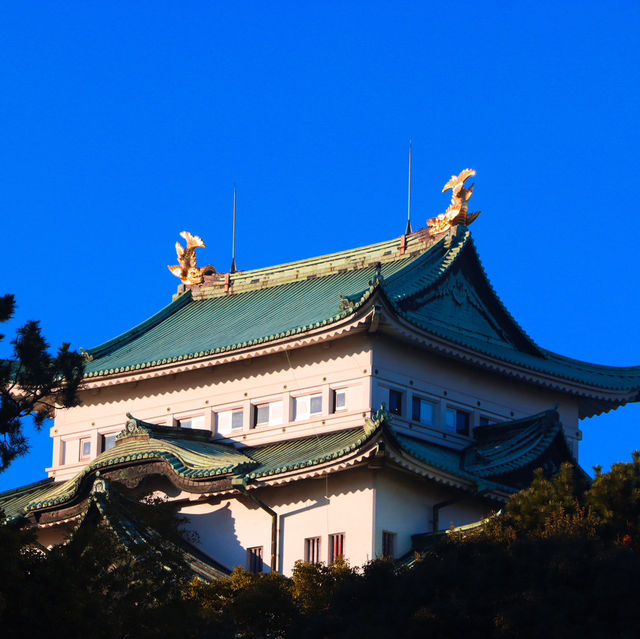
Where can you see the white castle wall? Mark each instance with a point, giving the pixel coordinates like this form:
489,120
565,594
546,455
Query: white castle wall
342,503
398,365
344,363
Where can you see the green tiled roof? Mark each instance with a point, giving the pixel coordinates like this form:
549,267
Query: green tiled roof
501,450
13,502
190,328
439,287
118,514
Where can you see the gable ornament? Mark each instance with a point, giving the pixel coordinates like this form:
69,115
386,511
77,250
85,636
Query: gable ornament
458,211
188,270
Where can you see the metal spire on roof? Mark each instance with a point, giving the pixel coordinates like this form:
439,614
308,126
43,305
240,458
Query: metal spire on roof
233,251
409,229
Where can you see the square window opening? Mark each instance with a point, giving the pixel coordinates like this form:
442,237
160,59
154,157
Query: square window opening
306,407
312,550
395,402
339,400
254,560
268,414
388,544
192,422
423,411
85,448
228,421
108,442
457,421
336,546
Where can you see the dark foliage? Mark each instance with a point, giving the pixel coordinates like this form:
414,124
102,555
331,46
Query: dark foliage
561,561
32,383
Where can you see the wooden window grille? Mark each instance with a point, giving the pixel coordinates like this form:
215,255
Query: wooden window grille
336,546
388,544
254,559
312,550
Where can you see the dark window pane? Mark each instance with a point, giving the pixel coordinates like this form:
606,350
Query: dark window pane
415,409
395,402
462,422
254,559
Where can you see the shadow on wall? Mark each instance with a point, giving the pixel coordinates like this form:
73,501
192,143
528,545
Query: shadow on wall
322,501
218,538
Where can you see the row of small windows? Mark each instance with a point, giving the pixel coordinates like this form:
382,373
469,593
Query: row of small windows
426,412
84,450
270,413
227,422
312,552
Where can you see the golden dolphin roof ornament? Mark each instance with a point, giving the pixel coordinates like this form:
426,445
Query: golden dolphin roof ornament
188,270
458,211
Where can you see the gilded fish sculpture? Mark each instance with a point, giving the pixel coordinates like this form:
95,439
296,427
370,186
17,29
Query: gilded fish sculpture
458,211
188,270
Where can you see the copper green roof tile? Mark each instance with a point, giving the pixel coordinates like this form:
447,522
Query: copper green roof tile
440,287
189,327
12,502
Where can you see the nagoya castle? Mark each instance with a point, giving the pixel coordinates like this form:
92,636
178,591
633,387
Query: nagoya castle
351,404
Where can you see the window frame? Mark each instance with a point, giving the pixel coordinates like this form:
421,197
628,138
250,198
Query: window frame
231,412
312,549
103,441
258,405
394,392
419,400
334,399
307,414
190,418
389,538
255,560
336,541
81,454
457,410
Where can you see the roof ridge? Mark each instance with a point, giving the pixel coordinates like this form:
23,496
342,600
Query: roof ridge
402,247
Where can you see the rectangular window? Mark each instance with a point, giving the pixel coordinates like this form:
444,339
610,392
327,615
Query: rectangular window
312,550
108,442
64,448
229,420
85,448
336,546
457,421
268,414
395,402
339,399
192,422
307,407
388,544
423,411
254,559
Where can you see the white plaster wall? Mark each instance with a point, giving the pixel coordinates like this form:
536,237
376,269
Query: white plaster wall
306,508
344,363
398,365
404,506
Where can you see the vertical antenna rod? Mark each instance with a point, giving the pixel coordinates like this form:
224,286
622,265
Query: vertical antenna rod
409,229
233,252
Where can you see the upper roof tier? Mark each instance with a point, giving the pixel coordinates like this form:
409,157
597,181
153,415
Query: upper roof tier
435,288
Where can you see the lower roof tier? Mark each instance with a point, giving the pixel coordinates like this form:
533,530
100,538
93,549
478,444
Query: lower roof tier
498,463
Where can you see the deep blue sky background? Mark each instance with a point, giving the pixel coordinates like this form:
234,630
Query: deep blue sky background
122,124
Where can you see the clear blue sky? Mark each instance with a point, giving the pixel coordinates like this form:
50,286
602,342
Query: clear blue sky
124,123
